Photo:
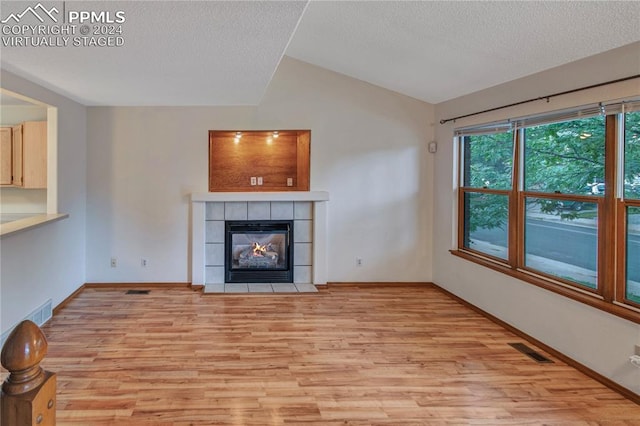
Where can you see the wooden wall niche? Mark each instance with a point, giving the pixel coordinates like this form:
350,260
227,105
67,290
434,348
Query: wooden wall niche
234,162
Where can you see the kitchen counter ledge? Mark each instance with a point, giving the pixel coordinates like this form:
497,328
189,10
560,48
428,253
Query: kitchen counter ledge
19,225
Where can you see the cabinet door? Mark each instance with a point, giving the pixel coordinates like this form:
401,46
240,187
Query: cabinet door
34,154
5,155
17,155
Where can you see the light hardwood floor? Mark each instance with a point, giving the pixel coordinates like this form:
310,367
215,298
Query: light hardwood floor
384,355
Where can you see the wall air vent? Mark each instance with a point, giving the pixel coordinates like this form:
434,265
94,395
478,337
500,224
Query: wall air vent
39,316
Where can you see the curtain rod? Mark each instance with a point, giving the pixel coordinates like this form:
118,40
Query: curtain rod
566,92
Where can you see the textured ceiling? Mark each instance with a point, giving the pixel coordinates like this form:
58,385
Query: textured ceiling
175,53
437,51
225,52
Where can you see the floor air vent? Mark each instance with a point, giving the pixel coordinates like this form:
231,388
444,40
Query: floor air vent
137,291
531,353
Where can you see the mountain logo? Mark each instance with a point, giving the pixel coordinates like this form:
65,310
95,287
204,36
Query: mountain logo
38,11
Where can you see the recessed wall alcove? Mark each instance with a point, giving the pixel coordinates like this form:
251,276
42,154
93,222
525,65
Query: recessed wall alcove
259,161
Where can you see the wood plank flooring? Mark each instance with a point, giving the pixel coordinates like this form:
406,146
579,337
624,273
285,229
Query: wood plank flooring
383,355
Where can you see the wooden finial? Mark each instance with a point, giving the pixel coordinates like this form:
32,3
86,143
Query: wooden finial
26,346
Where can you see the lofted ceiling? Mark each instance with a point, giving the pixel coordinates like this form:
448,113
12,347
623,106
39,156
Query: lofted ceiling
226,52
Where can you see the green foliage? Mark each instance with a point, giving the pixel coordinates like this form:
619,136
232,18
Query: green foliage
556,207
486,211
632,155
489,160
565,157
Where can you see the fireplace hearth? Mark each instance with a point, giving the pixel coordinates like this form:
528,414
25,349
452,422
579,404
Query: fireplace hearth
259,251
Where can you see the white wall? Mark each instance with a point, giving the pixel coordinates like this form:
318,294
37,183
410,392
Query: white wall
368,149
10,115
18,200
592,337
48,262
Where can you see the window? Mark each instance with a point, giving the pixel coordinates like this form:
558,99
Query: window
630,269
488,179
565,157
541,198
632,282
562,160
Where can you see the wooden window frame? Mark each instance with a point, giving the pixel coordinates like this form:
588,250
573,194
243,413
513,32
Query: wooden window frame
621,296
621,205
482,190
610,292
471,190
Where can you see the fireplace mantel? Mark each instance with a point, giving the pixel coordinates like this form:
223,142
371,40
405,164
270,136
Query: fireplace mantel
315,196
199,202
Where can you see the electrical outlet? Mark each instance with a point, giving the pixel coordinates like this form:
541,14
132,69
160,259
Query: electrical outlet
143,262
254,181
358,261
114,262
259,180
289,181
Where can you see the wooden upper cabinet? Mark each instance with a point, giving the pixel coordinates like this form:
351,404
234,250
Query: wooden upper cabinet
16,179
5,156
30,154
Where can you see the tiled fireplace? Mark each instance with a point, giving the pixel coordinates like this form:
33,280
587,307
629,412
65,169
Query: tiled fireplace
214,213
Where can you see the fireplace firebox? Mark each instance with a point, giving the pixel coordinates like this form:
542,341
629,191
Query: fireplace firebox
259,251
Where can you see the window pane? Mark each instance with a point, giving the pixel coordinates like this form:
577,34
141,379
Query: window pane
488,160
485,225
632,155
633,254
567,157
561,239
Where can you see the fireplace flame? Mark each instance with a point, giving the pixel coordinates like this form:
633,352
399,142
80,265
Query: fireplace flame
259,250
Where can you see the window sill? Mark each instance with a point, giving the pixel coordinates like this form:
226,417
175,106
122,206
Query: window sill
595,301
15,226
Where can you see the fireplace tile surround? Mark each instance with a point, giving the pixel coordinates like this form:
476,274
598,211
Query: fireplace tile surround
209,211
